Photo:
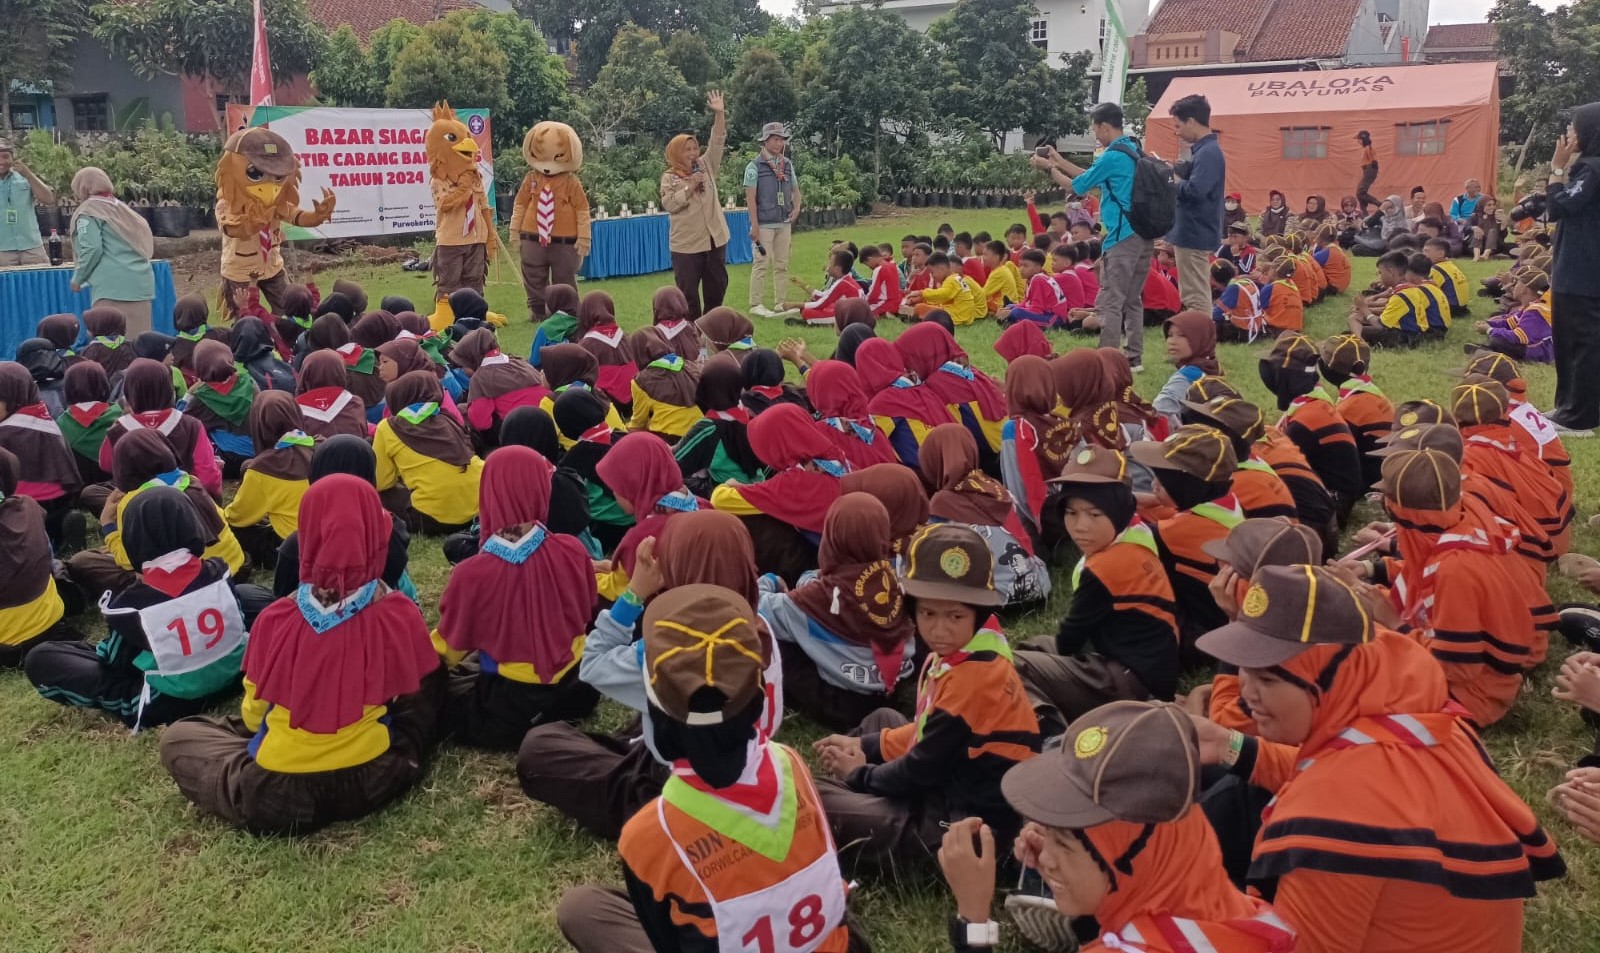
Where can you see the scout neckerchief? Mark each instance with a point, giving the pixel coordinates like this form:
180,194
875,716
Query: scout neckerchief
759,810
84,426
517,551
737,414
1224,511
419,413
170,574
558,327
110,343
545,213
1358,384
194,336
229,399
600,433
671,362
323,617
1257,464
358,358
294,438
1137,533
845,425
989,638
173,479
1299,403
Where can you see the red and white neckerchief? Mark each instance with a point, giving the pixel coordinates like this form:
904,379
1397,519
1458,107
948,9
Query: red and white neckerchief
609,333
737,414
492,358
324,403
545,214
33,417
1358,384
88,411
266,243
470,220
600,433
759,788
171,573
162,421
769,391
671,328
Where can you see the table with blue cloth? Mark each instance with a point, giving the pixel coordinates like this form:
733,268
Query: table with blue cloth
638,245
28,294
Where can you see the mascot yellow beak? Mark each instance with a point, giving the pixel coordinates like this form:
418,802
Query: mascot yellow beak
265,192
467,148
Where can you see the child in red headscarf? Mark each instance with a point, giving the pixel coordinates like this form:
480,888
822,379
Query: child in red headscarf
523,604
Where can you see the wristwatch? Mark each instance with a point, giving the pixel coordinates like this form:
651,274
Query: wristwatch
1556,169
966,935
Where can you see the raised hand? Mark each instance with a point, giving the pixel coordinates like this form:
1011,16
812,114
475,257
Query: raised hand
714,100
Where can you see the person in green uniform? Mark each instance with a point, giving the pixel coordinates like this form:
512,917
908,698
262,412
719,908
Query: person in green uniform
113,247
20,190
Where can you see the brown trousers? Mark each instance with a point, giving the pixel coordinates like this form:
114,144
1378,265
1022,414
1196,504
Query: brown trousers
95,571
880,833
459,266
543,266
1064,687
598,780
272,290
209,759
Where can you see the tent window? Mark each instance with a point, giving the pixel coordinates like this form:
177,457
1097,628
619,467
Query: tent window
1420,138
1305,142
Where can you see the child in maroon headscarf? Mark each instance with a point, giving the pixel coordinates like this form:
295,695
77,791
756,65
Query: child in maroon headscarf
785,512
931,353
644,478
49,474
523,604
339,710
598,334
670,311
834,389
845,633
327,407
903,408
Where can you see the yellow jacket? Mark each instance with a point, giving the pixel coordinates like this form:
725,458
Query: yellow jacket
959,296
438,490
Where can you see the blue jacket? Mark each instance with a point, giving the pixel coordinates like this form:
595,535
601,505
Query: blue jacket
1199,222
1462,208
1577,240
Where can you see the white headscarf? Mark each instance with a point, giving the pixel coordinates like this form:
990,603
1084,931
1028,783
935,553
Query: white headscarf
1397,223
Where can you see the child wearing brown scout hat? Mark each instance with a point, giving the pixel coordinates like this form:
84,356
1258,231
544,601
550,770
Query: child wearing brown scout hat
898,780
736,848
1376,779
1312,421
1113,829
1194,475
1346,363
1119,639
1495,449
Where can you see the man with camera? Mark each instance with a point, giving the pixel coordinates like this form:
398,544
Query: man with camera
1574,203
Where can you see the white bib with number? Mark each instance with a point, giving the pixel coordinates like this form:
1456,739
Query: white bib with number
189,632
792,916
1535,423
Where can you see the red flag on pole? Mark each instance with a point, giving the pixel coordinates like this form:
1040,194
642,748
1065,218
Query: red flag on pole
260,63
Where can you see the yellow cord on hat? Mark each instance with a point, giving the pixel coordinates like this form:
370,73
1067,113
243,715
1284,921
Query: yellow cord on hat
707,642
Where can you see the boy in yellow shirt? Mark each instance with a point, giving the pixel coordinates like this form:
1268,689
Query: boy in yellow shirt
953,292
1447,276
1004,285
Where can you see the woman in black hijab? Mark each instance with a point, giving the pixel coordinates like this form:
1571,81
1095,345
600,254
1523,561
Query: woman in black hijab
850,339
254,347
351,455
48,369
531,427
763,373
337,303
581,417
1574,279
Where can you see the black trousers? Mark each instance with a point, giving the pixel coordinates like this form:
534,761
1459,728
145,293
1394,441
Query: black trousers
702,277
1369,175
1575,321
73,674
488,711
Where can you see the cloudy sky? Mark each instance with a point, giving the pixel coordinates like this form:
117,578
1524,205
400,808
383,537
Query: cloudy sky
1440,11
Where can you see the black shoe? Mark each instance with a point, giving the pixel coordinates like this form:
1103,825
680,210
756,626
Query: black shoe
1580,624
74,531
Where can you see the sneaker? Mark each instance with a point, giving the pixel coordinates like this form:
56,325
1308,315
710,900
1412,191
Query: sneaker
762,311
1138,368
75,531
1580,624
794,322
1576,433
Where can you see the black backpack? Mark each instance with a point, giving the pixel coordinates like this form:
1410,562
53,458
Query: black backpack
1155,208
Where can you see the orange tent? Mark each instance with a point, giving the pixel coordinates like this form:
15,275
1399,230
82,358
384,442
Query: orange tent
1433,126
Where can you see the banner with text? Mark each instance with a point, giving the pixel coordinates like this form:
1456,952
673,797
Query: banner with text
1113,56
374,160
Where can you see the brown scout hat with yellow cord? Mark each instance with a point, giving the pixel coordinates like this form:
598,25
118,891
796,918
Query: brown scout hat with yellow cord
1259,542
1422,411
1343,353
1444,438
698,638
1479,400
1293,350
1127,761
1205,453
1287,610
950,561
1091,464
1210,387
1232,415
264,149
1422,480
1494,365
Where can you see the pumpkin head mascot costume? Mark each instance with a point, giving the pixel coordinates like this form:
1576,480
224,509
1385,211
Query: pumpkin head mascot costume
258,189
551,213
464,235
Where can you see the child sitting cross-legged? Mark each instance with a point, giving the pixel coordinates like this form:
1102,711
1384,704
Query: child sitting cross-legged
1045,302
949,290
818,309
1524,331
895,782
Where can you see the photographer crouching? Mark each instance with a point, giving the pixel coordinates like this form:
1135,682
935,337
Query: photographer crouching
1574,203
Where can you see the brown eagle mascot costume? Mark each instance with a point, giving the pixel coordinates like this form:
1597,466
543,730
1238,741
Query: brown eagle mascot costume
464,233
551,213
258,189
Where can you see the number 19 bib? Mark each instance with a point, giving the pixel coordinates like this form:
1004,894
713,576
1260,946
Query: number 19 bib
190,632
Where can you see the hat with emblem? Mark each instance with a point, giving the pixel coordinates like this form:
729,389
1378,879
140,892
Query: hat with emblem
1293,350
703,655
1287,610
264,149
1127,761
1422,411
1232,415
950,561
1202,452
1444,438
1092,464
1266,542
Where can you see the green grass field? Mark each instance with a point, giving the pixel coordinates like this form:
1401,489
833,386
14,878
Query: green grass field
102,854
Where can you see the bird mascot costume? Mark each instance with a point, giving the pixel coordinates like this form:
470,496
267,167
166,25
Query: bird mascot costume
465,237
258,189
